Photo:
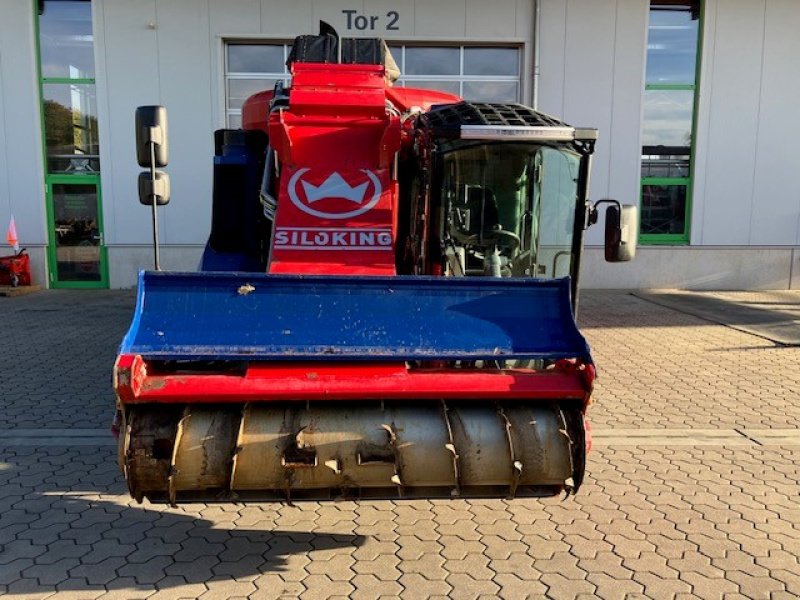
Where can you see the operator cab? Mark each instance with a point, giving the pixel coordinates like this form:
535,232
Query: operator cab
509,208
507,191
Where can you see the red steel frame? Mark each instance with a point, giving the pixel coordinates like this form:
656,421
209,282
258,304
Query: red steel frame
263,382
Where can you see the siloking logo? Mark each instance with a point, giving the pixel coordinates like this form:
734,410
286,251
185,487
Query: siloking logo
334,197
332,238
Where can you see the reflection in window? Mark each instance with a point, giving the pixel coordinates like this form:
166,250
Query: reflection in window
70,128
77,231
451,87
519,198
663,209
65,39
421,60
671,46
477,73
251,68
240,90
659,163
256,58
668,119
491,61
491,91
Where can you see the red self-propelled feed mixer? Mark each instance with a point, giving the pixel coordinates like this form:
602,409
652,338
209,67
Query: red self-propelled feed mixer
385,306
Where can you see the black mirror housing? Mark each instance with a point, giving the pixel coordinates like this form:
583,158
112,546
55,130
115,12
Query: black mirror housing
154,190
151,128
622,232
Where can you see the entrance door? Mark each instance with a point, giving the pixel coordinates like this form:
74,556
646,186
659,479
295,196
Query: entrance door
77,254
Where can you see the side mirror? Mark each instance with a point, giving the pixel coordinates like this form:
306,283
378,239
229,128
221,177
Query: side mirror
152,150
622,231
151,153
154,190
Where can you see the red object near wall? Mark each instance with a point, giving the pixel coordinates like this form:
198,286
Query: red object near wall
15,269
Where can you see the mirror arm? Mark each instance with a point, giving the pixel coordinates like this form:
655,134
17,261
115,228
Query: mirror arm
154,131
594,211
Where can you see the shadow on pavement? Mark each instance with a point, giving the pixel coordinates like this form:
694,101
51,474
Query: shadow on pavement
778,322
80,532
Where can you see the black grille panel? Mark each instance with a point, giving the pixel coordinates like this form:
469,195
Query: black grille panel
453,116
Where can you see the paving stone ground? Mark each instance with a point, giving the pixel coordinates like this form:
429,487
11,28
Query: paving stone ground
656,520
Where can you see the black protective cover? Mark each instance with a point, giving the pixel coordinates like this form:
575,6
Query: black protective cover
236,213
315,49
363,51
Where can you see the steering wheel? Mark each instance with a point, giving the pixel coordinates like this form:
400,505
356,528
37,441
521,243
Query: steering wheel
504,241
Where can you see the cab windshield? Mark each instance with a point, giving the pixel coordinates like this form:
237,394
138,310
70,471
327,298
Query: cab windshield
510,209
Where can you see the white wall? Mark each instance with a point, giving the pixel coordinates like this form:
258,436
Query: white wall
696,268
21,170
592,67
745,195
745,181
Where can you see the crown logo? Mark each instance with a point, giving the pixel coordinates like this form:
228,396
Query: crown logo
335,187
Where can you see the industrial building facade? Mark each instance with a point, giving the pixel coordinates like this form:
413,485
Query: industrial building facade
696,103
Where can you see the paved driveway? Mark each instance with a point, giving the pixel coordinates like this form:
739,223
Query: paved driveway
691,492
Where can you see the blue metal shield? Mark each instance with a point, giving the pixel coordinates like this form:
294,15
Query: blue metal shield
251,316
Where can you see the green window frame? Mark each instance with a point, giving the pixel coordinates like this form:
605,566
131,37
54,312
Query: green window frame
52,247
684,178
56,177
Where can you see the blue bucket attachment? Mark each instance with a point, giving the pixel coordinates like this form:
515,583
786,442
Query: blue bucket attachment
251,316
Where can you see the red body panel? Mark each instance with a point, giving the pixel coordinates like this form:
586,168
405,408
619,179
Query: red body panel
344,381
337,197
255,111
406,98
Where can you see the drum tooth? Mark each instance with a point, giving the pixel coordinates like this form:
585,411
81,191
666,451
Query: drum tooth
397,478
451,446
173,469
569,482
123,455
237,449
516,469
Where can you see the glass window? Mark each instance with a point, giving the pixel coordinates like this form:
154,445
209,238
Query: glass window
421,60
65,40
661,164
240,90
70,127
663,208
251,68
256,58
517,198
671,46
491,91
478,73
77,232
491,61
668,118
451,87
